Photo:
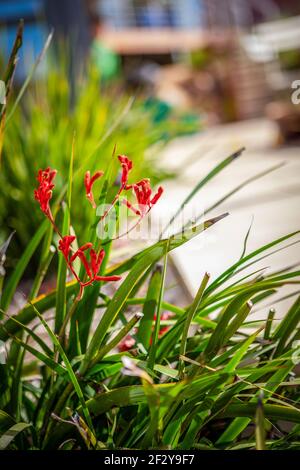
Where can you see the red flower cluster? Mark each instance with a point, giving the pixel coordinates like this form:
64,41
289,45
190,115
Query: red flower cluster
142,189
93,261
145,200
44,192
92,267
126,167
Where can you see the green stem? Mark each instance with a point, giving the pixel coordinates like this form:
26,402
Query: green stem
116,340
189,317
57,410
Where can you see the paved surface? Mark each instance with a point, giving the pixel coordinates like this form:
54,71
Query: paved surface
273,201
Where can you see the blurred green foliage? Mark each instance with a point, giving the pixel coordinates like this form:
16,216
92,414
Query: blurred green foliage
41,131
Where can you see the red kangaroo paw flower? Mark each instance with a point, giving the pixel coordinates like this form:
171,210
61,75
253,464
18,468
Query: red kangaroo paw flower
93,256
126,167
143,193
96,260
80,254
91,268
65,245
85,247
43,193
156,196
131,207
85,263
88,183
127,343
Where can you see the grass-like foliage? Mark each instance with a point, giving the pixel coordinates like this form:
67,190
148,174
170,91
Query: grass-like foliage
135,380
39,129
87,368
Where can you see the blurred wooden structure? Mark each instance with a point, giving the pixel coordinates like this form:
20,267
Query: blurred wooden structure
143,41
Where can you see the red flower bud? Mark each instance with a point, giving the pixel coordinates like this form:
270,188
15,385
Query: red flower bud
65,245
43,193
126,167
88,183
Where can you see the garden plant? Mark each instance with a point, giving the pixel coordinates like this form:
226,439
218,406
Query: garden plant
103,361
41,123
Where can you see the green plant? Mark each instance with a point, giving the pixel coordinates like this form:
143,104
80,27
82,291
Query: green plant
8,81
197,385
39,132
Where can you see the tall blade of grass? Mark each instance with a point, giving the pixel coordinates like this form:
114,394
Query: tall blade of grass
16,395
238,308
165,305
241,351
188,320
118,338
7,438
239,424
260,433
2,127
260,286
11,66
244,267
241,186
116,305
214,285
42,357
269,322
150,307
10,287
274,412
61,296
201,183
48,252
175,241
124,396
85,310
271,275
114,126
69,368
194,420
35,337
3,250
187,397
5,420
8,79
237,321
152,351
26,314
154,254
179,311
152,437
30,75
287,327
246,239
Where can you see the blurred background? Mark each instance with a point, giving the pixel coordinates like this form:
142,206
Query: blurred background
208,77
227,60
